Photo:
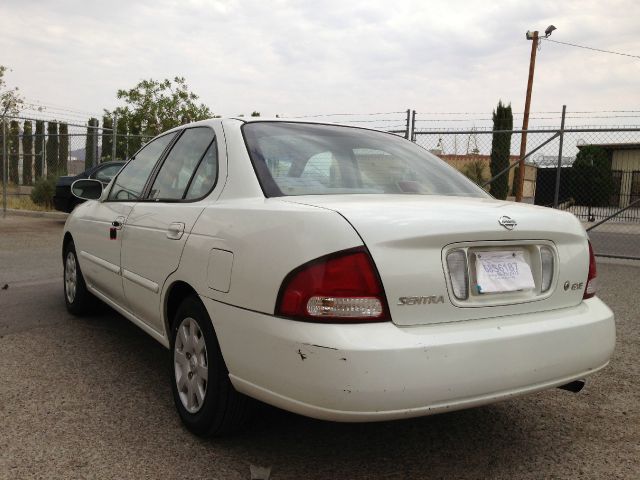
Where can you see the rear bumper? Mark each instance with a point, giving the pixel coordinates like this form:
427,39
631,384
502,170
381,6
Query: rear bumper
381,371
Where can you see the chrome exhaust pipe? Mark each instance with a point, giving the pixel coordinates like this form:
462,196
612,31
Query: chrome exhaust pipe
574,386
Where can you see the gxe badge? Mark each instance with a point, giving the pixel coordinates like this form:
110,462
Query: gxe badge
507,222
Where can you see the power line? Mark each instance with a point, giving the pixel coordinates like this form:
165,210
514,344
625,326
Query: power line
53,111
591,48
65,108
54,115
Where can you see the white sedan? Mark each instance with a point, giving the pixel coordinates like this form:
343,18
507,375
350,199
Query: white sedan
337,272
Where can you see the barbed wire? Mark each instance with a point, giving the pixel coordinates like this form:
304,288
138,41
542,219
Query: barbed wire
534,113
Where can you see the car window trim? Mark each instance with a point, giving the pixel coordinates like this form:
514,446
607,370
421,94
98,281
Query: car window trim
175,134
154,173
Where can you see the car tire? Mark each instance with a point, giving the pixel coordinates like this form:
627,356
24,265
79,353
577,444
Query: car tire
78,299
203,394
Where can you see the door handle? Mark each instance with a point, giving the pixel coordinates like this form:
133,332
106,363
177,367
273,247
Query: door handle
175,231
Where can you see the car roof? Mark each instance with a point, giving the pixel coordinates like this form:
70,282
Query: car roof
220,120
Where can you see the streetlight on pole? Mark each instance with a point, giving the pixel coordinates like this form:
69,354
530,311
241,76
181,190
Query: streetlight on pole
525,121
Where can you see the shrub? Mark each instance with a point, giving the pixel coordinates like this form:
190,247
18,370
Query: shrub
592,179
43,191
474,171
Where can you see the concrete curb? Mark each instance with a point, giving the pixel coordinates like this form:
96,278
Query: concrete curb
35,213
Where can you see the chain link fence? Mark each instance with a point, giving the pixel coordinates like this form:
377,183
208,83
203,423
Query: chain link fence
35,153
593,173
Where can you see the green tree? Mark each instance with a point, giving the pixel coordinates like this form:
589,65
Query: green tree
107,138
2,152
10,101
501,149
63,149
135,136
514,183
27,153
52,148
10,98
121,139
592,183
14,152
39,160
158,105
255,114
91,146
474,171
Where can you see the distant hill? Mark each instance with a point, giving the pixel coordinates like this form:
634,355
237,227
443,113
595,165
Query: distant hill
80,153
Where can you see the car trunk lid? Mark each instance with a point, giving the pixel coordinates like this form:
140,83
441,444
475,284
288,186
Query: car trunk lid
410,236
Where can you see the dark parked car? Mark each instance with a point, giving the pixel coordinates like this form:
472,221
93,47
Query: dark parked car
64,201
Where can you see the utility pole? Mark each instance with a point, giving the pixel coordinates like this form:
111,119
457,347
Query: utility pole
525,119
533,36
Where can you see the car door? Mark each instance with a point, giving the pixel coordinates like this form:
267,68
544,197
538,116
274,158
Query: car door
159,224
98,236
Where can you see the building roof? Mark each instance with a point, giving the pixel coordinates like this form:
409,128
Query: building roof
470,157
613,146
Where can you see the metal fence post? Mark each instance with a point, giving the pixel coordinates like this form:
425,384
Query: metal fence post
407,134
413,126
5,165
557,191
96,136
115,138
43,159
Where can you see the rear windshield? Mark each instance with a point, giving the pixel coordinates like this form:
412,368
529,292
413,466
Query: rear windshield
309,159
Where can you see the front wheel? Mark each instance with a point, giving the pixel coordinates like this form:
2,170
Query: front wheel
76,296
203,394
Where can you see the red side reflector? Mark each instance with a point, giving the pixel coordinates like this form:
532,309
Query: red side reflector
590,289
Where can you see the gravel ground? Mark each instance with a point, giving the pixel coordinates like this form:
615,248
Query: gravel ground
90,398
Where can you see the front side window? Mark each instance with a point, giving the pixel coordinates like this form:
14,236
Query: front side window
179,167
308,159
129,184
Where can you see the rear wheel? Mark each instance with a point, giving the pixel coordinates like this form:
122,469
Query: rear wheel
204,396
76,296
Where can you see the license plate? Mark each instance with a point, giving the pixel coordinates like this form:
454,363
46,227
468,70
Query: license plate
502,271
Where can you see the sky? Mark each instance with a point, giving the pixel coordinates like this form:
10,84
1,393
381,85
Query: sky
317,57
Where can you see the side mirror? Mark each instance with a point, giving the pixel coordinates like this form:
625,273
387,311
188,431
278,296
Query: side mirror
87,189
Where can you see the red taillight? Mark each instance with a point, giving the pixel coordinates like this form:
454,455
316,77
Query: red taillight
590,289
343,287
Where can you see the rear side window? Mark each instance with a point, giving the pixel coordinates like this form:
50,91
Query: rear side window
206,175
133,177
184,159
